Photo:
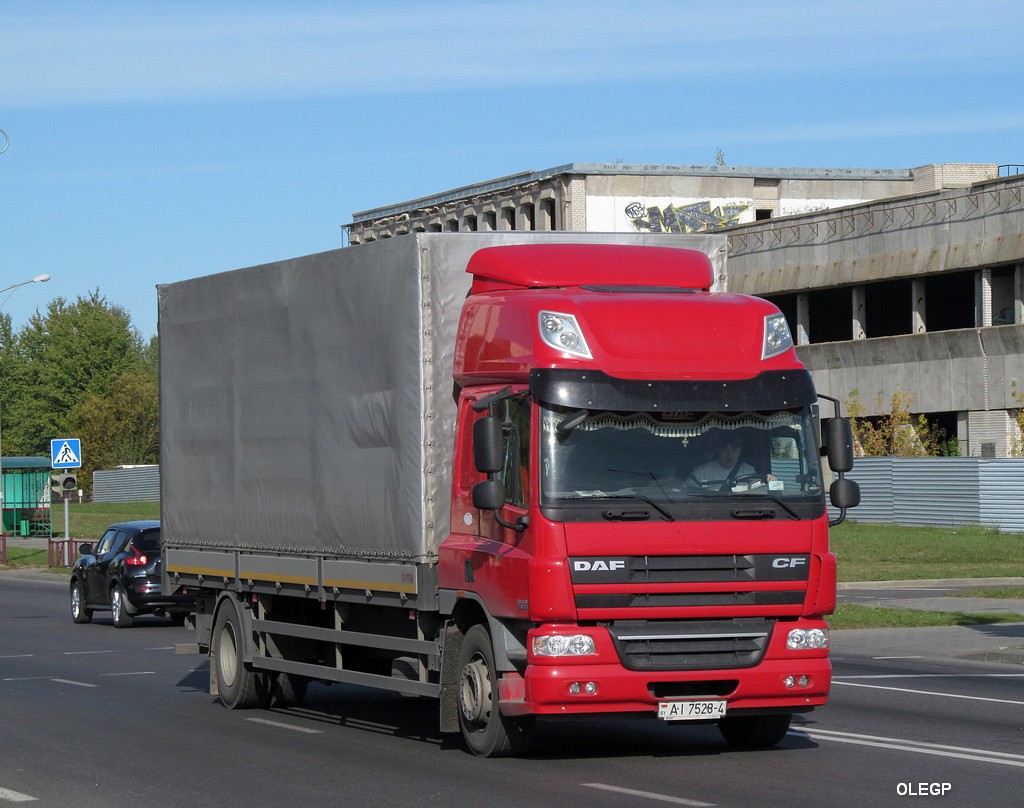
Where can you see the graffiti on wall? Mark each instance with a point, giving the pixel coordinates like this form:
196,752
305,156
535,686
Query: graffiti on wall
692,218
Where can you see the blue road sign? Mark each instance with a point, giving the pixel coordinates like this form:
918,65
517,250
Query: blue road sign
66,453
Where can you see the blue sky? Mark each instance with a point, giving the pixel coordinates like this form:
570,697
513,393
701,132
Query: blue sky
154,141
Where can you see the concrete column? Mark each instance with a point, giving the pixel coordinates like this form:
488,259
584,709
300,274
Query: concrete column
803,319
1018,294
859,330
984,315
917,325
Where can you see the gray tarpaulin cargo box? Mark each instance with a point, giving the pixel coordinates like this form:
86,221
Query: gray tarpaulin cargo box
307,405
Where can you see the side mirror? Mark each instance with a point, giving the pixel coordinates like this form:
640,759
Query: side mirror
489,495
844,494
85,549
488,448
839,442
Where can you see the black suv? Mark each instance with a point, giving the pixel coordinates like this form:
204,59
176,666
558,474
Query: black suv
122,573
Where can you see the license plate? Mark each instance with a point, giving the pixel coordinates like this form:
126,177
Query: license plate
691,710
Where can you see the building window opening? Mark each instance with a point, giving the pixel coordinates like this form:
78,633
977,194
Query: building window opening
547,214
761,214
1003,297
949,301
830,315
529,216
887,308
508,218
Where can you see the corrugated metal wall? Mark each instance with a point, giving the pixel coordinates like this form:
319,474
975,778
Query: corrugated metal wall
140,484
940,491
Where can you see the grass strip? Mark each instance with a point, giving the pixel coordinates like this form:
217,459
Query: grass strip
855,615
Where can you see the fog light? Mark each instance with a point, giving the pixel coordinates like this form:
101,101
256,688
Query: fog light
789,681
803,681
574,689
591,688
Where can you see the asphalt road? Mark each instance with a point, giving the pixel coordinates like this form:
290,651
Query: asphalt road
94,716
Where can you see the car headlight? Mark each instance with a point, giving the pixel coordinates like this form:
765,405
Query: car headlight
564,645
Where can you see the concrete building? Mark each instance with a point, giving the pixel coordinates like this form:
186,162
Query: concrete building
892,279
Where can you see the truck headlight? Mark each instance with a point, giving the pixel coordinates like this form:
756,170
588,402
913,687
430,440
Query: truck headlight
777,337
800,639
561,331
564,645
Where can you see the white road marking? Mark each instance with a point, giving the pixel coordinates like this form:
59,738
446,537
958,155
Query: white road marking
650,795
282,725
929,693
73,682
131,673
896,657
16,656
920,747
79,653
14,796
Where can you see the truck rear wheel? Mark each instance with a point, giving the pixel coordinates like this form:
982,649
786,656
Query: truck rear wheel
486,731
239,685
748,731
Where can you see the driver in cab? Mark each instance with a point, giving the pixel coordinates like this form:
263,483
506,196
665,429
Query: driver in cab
726,470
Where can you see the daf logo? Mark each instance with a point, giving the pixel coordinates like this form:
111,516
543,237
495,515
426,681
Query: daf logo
599,564
788,563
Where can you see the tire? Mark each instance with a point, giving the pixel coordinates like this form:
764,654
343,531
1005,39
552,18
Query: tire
486,731
79,612
287,690
240,686
749,731
119,608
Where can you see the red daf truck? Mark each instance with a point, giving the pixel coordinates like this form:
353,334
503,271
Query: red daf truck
525,474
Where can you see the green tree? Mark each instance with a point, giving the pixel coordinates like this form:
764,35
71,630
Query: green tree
895,433
122,428
60,357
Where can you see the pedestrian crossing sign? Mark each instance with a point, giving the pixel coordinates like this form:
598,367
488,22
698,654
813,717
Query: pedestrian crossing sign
66,453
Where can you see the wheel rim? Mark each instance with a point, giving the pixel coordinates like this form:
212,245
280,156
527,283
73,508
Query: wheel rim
116,605
475,697
76,601
227,655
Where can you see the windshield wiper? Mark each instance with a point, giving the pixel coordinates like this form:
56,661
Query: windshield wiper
642,498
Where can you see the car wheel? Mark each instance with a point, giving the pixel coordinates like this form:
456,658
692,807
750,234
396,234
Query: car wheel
79,613
119,606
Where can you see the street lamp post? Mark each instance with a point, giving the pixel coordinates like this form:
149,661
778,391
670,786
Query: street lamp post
10,291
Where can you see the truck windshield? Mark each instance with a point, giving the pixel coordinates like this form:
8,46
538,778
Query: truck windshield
678,457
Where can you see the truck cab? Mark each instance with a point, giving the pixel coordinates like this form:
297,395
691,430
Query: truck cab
639,515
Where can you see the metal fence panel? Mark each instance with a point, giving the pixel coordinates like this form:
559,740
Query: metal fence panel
137,484
940,491
1002,487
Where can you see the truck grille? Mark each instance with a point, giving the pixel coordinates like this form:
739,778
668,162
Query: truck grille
626,582
690,644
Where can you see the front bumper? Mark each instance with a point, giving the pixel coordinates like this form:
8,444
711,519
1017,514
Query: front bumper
782,681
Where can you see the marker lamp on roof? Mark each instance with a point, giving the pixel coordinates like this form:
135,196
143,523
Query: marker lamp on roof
777,337
562,332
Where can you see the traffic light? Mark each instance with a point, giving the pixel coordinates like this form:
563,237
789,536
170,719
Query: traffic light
62,484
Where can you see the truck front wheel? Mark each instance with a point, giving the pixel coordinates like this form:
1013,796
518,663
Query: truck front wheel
486,731
239,685
749,731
